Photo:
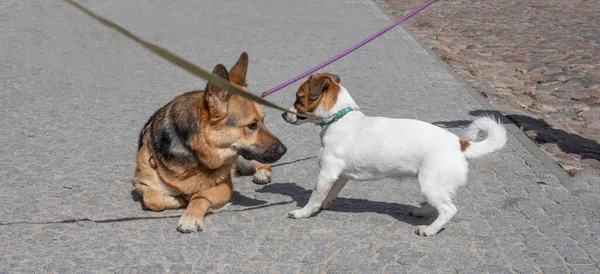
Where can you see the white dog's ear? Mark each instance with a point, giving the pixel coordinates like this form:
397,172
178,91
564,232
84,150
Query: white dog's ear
334,77
320,83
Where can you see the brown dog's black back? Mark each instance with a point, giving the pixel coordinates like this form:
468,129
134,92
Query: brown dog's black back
173,126
143,131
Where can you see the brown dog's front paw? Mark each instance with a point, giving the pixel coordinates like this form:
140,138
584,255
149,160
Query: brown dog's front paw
262,177
189,224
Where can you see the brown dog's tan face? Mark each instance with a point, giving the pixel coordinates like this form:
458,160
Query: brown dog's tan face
237,123
318,90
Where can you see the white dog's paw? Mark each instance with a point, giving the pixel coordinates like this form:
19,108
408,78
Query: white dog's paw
297,214
262,177
425,230
189,224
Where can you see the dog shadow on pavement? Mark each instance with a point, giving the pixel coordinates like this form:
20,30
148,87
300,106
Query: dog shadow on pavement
241,200
539,131
135,196
352,205
464,123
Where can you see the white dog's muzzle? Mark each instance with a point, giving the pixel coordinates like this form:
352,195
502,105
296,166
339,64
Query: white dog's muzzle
290,117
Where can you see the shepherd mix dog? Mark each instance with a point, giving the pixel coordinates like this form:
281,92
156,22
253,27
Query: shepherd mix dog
188,148
357,147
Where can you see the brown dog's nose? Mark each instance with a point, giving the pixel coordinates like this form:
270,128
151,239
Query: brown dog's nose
281,149
283,115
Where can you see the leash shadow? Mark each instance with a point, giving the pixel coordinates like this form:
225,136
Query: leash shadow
294,161
350,205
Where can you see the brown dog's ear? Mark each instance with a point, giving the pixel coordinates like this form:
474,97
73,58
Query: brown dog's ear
320,83
217,97
237,75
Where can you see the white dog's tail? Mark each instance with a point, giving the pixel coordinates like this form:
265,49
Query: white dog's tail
496,137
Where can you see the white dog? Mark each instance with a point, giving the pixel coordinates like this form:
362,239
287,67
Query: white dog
357,147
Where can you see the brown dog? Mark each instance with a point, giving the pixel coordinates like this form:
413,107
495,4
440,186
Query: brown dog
189,147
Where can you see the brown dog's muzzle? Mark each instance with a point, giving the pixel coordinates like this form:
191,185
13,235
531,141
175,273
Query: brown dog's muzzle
265,156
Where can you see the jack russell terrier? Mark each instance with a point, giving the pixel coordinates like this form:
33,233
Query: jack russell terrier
357,147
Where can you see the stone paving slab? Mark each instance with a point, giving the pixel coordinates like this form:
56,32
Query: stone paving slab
537,61
75,95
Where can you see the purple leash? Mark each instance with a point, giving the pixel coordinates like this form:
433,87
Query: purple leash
346,52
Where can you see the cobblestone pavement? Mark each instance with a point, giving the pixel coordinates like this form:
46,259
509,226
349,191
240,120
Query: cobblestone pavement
75,96
537,61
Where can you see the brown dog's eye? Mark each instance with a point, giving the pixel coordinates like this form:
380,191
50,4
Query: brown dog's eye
253,126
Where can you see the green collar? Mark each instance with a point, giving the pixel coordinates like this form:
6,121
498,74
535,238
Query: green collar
336,116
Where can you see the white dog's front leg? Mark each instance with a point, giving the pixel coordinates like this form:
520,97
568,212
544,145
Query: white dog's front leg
324,185
333,193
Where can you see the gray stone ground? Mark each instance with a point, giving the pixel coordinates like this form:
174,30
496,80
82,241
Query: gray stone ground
75,95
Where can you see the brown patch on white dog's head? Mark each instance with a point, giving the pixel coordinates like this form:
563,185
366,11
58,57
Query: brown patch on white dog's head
464,144
320,89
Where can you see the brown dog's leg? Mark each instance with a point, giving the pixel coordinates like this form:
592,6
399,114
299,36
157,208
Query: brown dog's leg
157,201
261,172
148,185
211,198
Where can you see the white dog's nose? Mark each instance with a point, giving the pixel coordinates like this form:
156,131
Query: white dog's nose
289,117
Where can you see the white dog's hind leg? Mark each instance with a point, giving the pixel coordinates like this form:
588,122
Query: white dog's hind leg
446,210
324,185
335,190
439,181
